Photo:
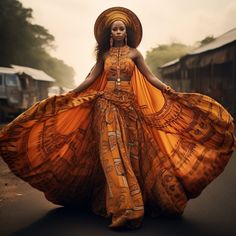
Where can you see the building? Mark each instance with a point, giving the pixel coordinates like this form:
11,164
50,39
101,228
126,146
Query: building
20,88
34,80
210,69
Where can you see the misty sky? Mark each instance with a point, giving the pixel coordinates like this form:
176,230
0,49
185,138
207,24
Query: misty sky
186,21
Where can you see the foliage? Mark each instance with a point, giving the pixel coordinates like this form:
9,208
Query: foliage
206,40
165,53
27,44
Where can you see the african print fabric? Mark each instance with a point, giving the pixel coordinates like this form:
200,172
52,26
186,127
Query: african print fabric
123,153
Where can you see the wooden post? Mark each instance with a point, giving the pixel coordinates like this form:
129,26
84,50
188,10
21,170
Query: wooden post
234,80
234,65
212,75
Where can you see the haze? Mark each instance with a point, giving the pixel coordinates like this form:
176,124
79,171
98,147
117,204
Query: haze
163,21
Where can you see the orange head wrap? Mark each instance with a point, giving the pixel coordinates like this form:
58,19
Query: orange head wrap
107,17
115,16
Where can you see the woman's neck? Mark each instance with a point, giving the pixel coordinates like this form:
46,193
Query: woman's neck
118,44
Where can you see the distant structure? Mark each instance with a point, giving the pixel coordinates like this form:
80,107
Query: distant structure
34,79
20,88
210,69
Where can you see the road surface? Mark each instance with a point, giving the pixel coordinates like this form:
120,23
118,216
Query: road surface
25,211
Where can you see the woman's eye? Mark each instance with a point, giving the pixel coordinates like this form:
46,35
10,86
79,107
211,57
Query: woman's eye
115,29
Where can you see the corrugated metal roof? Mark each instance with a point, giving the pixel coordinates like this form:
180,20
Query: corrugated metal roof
170,63
220,41
34,73
226,38
6,70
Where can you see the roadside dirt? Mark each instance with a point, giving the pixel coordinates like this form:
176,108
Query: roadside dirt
11,187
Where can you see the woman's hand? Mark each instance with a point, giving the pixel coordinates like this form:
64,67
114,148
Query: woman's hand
73,93
168,90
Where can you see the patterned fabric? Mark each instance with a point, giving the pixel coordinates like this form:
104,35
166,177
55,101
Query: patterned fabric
121,152
126,64
117,130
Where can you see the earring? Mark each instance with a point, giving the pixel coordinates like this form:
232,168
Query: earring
126,39
111,42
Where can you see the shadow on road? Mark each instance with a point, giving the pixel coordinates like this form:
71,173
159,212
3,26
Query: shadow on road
213,213
69,221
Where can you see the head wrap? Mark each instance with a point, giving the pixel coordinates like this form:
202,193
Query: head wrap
107,17
115,16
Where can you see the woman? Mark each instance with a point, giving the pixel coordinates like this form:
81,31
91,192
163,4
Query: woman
122,141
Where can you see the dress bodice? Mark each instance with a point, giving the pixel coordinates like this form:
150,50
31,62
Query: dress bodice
118,59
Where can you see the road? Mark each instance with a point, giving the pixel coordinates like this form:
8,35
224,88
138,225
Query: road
25,211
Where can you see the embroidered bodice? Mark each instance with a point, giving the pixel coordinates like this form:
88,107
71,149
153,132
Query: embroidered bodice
118,64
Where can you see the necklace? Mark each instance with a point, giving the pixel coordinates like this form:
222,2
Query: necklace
118,69
118,53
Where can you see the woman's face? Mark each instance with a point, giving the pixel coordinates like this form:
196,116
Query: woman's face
118,30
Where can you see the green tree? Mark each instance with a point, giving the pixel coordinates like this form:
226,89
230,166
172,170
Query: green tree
27,44
206,40
165,53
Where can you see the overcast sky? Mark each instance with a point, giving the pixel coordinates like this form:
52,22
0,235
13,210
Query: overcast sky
72,21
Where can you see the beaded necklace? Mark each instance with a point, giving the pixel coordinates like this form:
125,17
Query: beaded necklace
116,55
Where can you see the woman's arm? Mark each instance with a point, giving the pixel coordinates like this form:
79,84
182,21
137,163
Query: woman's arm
92,76
143,67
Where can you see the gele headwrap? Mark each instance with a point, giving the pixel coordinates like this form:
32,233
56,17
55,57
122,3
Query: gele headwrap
107,17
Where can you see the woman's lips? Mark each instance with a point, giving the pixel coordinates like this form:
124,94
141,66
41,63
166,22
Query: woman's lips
119,37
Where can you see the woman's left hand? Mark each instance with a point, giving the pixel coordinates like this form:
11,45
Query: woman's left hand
168,90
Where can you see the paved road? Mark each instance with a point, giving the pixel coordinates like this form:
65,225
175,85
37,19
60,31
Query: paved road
213,213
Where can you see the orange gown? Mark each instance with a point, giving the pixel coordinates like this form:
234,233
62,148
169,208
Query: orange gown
122,151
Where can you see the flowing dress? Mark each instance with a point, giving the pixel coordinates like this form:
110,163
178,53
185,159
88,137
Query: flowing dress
122,151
